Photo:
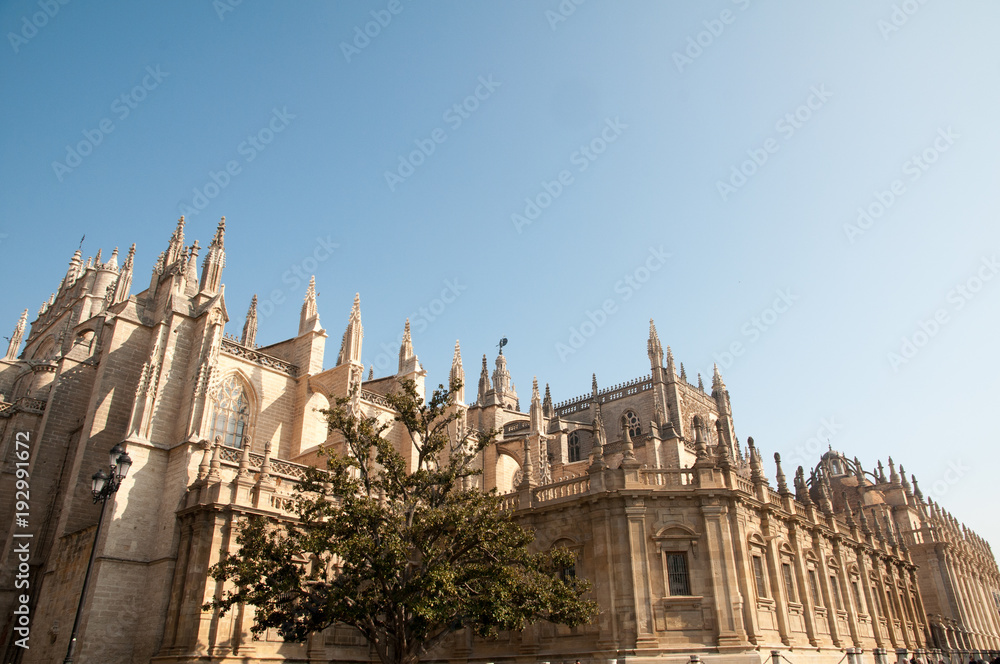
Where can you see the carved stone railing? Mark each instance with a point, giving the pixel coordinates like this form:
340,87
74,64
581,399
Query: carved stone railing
571,487
509,502
23,404
511,427
744,485
231,456
263,359
375,398
668,477
613,393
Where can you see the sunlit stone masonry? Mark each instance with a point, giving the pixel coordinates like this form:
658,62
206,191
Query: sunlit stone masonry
695,545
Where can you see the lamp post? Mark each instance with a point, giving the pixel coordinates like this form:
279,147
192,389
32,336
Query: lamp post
104,484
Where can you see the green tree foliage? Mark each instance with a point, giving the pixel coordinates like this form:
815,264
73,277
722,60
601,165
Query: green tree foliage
407,558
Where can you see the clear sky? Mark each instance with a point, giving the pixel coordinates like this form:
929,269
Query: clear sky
557,174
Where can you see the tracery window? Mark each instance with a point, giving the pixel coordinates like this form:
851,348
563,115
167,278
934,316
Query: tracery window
630,420
232,413
574,447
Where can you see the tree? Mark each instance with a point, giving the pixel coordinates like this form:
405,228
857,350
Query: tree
407,558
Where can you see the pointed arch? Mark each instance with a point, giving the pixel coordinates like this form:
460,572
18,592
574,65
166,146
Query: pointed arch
234,409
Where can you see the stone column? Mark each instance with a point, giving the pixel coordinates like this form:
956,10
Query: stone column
805,597
727,600
769,530
847,595
874,610
635,512
824,584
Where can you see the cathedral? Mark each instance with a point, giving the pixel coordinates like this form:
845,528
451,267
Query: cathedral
697,546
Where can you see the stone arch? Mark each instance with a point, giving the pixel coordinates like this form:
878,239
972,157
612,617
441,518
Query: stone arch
507,467
234,405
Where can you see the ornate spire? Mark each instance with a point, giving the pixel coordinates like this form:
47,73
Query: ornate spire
893,475
600,439
859,472
249,338
547,409
484,384
350,344
684,375
905,482
756,467
863,520
528,469
628,448
73,271
593,386
123,285
17,336
722,447
536,407
112,263
371,372
405,349
653,347
779,476
175,250
501,378
457,373
671,372
191,265
718,387
215,260
801,490
916,490
701,447
701,385
881,473
309,316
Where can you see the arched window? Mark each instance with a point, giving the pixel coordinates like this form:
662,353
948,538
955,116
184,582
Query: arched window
232,413
630,420
574,447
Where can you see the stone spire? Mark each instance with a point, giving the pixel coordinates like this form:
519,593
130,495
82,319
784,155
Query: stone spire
722,447
905,481
848,510
536,407
501,377
701,384
371,372
593,386
825,495
249,338
671,371
191,265
408,362
653,347
628,447
528,469
779,476
881,473
309,316
756,467
350,344
600,439
175,248
801,490
718,386
484,384
215,260
112,263
123,285
684,375
863,520
457,373
916,490
893,475
17,336
73,271
547,409
701,447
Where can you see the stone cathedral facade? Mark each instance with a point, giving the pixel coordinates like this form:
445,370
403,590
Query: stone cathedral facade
694,544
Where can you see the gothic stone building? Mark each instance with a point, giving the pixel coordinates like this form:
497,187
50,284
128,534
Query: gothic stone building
692,550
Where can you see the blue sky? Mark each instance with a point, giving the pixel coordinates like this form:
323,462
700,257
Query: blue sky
593,161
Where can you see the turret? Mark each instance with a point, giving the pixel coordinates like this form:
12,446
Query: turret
249,338
215,260
350,345
17,336
457,373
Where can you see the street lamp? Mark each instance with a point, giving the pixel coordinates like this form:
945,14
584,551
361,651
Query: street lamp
103,485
